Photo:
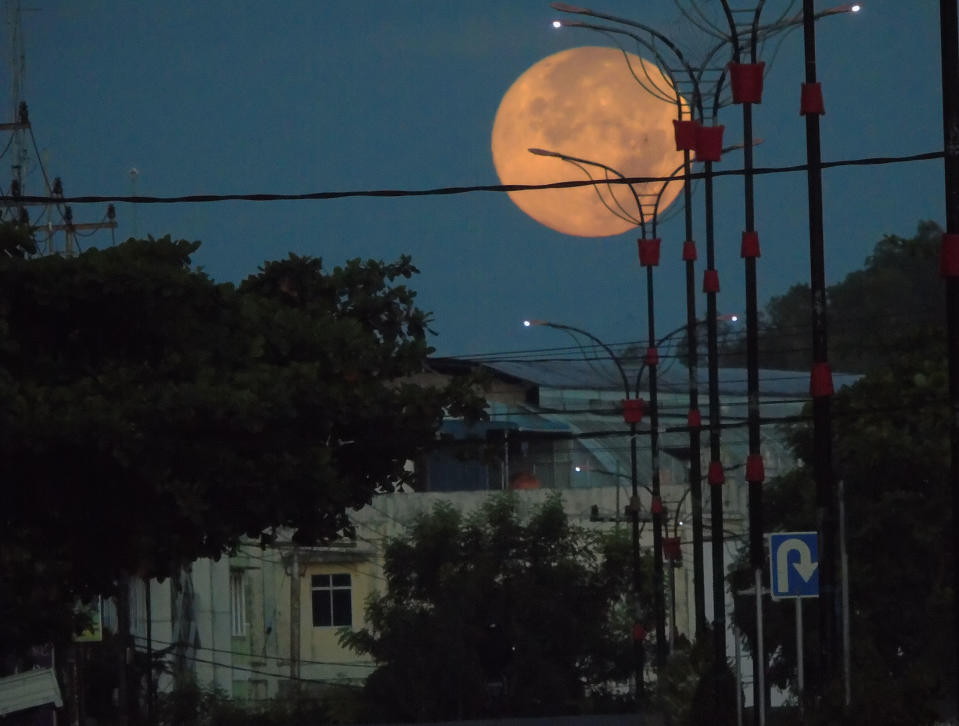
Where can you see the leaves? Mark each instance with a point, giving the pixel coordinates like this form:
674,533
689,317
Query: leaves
495,603
150,416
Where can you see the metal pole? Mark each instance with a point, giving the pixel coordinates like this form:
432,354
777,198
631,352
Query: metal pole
659,596
822,419
716,476
739,679
844,566
949,31
800,665
638,628
695,438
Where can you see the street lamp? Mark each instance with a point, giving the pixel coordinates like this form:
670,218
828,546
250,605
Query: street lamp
692,134
632,400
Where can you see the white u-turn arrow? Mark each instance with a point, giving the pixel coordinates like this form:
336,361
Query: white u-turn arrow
805,567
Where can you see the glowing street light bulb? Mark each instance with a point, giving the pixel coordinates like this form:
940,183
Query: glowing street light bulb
557,24
856,8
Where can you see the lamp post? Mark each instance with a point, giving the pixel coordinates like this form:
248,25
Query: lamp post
632,414
658,511
693,134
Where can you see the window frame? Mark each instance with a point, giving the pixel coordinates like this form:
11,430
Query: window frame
328,590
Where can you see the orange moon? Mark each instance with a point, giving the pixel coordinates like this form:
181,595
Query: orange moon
584,102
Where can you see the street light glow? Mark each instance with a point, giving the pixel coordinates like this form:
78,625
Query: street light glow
557,24
855,8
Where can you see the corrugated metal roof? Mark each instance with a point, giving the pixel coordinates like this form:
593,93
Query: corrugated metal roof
29,690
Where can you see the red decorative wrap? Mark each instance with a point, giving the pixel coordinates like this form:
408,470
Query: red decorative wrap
633,410
695,419
949,256
685,134
649,251
639,632
710,281
716,475
652,357
656,505
820,382
746,80
755,471
672,549
750,245
689,250
709,143
810,100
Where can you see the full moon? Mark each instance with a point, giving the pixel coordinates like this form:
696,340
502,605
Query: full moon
585,103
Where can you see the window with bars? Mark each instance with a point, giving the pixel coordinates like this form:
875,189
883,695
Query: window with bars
237,603
332,600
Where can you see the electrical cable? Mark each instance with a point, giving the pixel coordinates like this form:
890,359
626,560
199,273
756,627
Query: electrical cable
456,190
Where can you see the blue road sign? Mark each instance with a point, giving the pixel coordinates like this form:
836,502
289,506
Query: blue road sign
794,564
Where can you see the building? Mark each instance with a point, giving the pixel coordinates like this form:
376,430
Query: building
255,622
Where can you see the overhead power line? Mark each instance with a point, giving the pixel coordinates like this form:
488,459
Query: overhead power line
449,191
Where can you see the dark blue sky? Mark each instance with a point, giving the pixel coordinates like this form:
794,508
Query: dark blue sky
309,95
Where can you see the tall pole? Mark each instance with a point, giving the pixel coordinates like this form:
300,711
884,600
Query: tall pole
747,89
657,506
694,421
949,31
716,477
821,380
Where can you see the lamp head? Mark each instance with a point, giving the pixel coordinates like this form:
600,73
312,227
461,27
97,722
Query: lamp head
544,152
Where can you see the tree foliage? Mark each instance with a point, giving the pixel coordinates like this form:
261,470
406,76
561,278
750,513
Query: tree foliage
491,614
150,416
870,312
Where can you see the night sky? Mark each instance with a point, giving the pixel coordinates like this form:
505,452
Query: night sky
307,96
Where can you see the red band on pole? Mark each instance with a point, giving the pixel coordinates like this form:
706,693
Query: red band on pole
694,420
689,250
820,382
716,475
709,143
750,245
649,251
746,80
684,133
656,505
810,100
755,471
633,410
949,256
652,356
710,281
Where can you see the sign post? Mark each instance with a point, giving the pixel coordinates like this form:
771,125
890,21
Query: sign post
794,573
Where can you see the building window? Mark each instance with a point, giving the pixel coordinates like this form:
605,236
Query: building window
237,604
332,600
